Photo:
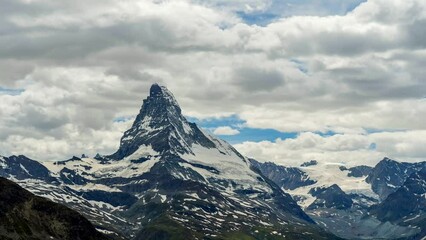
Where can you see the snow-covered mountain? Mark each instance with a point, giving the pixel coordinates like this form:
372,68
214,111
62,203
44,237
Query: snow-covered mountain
358,201
161,126
169,179
388,175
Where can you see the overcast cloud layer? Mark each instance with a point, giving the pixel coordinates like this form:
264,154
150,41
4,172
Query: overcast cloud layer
72,73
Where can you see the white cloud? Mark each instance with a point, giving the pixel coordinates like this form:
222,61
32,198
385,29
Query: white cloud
82,64
62,113
351,149
225,130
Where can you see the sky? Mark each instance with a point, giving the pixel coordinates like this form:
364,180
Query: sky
284,81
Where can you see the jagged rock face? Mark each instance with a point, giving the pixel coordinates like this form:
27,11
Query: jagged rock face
285,177
21,167
388,175
330,197
407,204
25,216
357,171
160,123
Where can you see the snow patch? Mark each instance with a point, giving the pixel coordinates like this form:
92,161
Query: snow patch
231,167
94,168
327,174
3,163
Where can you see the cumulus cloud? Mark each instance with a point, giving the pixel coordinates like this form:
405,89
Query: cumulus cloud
82,64
63,112
351,149
225,130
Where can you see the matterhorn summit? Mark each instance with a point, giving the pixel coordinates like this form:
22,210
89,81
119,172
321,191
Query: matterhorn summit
161,125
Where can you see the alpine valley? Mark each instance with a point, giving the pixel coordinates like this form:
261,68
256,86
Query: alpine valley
170,179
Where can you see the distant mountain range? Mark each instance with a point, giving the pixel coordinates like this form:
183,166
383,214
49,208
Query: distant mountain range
170,179
382,202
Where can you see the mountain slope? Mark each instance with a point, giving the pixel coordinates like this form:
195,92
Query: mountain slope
339,199
25,216
407,205
21,167
330,197
285,177
388,175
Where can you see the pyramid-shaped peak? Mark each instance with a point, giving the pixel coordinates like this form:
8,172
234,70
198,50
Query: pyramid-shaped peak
161,125
160,105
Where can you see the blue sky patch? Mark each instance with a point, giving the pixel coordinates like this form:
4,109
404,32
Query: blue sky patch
261,19
287,8
246,133
257,135
123,119
375,130
11,91
232,121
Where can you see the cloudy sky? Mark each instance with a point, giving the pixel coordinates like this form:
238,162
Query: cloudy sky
282,80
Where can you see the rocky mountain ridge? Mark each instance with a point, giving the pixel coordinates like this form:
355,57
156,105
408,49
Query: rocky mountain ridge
385,201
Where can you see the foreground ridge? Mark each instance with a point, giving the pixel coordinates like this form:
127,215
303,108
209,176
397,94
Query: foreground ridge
25,216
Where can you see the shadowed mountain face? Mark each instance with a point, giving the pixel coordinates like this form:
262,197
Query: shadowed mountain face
330,197
171,180
358,171
388,175
26,216
21,167
284,177
407,205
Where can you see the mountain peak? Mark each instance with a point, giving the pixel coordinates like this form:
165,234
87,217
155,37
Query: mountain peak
387,162
160,105
159,91
161,126
155,88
